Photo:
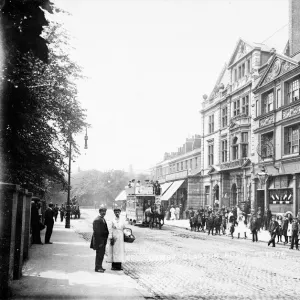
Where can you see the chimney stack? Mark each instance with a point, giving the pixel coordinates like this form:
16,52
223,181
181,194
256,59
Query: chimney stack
294,27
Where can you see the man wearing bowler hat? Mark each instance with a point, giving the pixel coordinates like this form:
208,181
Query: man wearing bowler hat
49,222
99,239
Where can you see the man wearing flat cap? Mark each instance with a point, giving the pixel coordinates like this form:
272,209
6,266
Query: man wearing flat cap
99,239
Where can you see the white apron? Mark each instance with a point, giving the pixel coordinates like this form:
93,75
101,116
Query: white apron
116,253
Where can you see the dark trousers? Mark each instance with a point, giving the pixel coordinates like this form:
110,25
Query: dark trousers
254,235
272,240
211,230
294,239
61,217
218,230
36,234
48,233
55,216
100,255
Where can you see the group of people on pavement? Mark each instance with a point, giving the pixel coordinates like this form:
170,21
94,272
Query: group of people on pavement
37,225
108,237
174,212
227,221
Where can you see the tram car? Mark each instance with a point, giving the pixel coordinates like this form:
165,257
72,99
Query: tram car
143,205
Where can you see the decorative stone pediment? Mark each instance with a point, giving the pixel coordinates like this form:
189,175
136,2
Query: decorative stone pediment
241,49
278,66
213,169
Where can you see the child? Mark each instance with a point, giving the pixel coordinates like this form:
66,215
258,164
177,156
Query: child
241,228
289,229
254,228
284,229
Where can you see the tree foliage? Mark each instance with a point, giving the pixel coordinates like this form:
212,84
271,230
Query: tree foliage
39,106
100,187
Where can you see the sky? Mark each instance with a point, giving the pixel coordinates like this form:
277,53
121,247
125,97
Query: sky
149,62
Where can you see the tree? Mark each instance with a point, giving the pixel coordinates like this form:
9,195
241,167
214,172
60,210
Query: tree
40,109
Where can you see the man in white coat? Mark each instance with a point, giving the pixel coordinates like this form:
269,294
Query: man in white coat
116,248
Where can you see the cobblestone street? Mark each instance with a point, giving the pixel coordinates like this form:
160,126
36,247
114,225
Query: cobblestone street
174,263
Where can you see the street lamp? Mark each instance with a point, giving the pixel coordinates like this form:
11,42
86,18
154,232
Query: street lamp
68,208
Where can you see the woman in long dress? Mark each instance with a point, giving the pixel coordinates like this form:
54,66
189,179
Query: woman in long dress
116,247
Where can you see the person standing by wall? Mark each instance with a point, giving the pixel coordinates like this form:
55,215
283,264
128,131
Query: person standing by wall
35,223
116,247
49,222
99,239
177,212
172,212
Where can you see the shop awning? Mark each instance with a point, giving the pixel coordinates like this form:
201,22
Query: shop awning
122,196
172,189
165,186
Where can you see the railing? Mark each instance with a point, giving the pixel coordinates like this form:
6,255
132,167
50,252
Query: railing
177,175
233,164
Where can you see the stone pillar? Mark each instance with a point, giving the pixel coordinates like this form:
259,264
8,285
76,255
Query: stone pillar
27,234
8,210
266,196
295,206
221,191
245,186
20,229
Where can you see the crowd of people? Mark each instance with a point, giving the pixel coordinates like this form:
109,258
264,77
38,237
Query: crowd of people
227,221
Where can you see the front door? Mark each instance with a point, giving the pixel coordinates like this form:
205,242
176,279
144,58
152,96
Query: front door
260,200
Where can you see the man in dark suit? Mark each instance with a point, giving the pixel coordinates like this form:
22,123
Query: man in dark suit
49,222
35,223
273,228
99,239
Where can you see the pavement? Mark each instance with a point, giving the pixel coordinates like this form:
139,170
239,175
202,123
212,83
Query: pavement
65,270
262,235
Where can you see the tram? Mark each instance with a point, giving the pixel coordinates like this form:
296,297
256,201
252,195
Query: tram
143,205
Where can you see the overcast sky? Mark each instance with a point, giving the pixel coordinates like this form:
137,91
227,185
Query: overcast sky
149,62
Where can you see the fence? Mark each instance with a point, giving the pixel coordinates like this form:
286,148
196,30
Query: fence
15,239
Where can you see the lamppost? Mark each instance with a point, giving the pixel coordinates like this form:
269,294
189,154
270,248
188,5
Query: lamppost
68,208
263,178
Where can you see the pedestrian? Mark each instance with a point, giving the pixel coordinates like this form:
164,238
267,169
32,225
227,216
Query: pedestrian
254,227
172,212
55,210
62,212
295,232
180,212
177,212
232,226
210,224
224,225
35,223
49,222
217,224
273,231
289,229
279,231
284,229
116,247
99,239
241,228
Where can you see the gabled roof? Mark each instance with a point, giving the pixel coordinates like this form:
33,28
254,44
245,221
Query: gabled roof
278,65
244,47
223,78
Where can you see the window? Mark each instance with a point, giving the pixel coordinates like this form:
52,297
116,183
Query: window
235,148
186,164
177,166
243,70
267,149
224,150
244,144
293,91
235,75
291,139
196,162
181,165
245,105
207,192
191,164
224,117
240,72
267,102
210,155
256,107
211,124
278,98
236,107
248,66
